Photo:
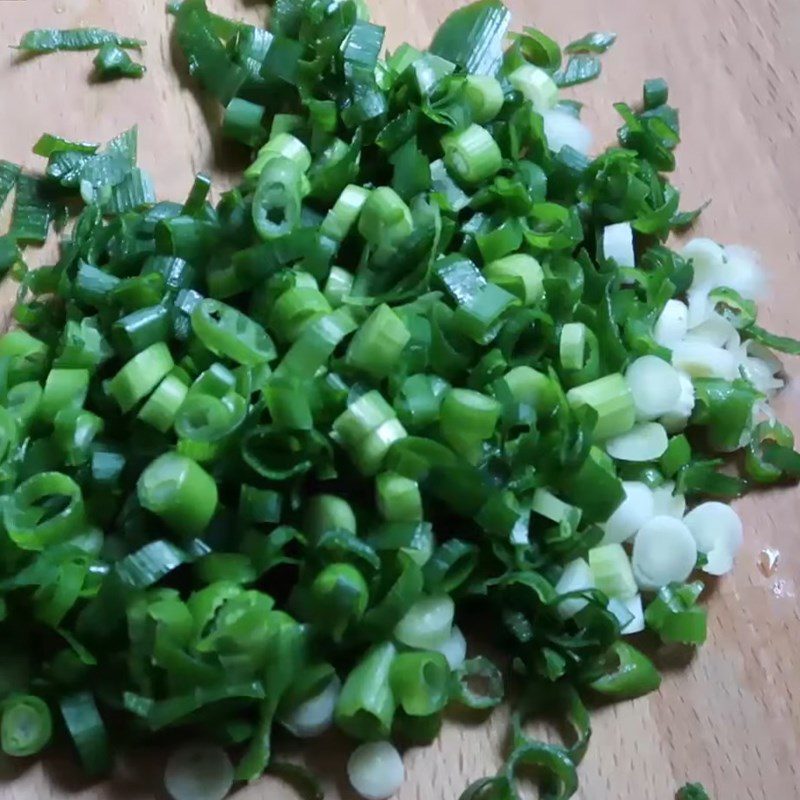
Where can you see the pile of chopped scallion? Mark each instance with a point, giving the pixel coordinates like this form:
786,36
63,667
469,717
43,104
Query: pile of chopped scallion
429,362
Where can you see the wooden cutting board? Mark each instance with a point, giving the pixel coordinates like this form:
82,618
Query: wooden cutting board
731,717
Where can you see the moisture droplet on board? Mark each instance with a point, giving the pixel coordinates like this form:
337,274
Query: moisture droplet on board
768,560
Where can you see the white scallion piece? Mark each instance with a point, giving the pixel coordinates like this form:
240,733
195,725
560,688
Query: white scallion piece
618,244
717,530
629,614
315,715
761,367
427,624
699,305
676,418
198,772
743,271
655,386
667,503
563,129
760,374
454,648
708,261
630,515
612,572
646,441
576,577
376,770
700,359
672,323
664,551
714,329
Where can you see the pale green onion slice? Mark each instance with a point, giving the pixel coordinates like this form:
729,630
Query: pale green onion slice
699,359
576,577
562,129
454,648
667,503
327,512
427,623
376,770
198,772
315,715
637,507
655,386
285,145
551,507
677,417
611,569
672,324
717,530
572,346
611,398
535,85
664,551
644,442
618,244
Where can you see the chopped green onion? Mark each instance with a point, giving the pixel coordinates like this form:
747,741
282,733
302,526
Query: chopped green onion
327,512
26,725
535,85
427,623
611,398
519,274
472,155
611,569
385,220
140,376
398,498
675,615
49,41
179,491
378,343
282,145
630,673
343,215
366,706
485,97
113,62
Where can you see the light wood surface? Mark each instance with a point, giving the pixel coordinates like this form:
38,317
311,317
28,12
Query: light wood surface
730,718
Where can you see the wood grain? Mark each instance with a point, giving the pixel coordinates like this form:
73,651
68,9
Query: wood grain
730,718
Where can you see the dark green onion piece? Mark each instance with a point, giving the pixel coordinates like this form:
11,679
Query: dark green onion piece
482,669
48,41
113,62
88,732
629,673
692,791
